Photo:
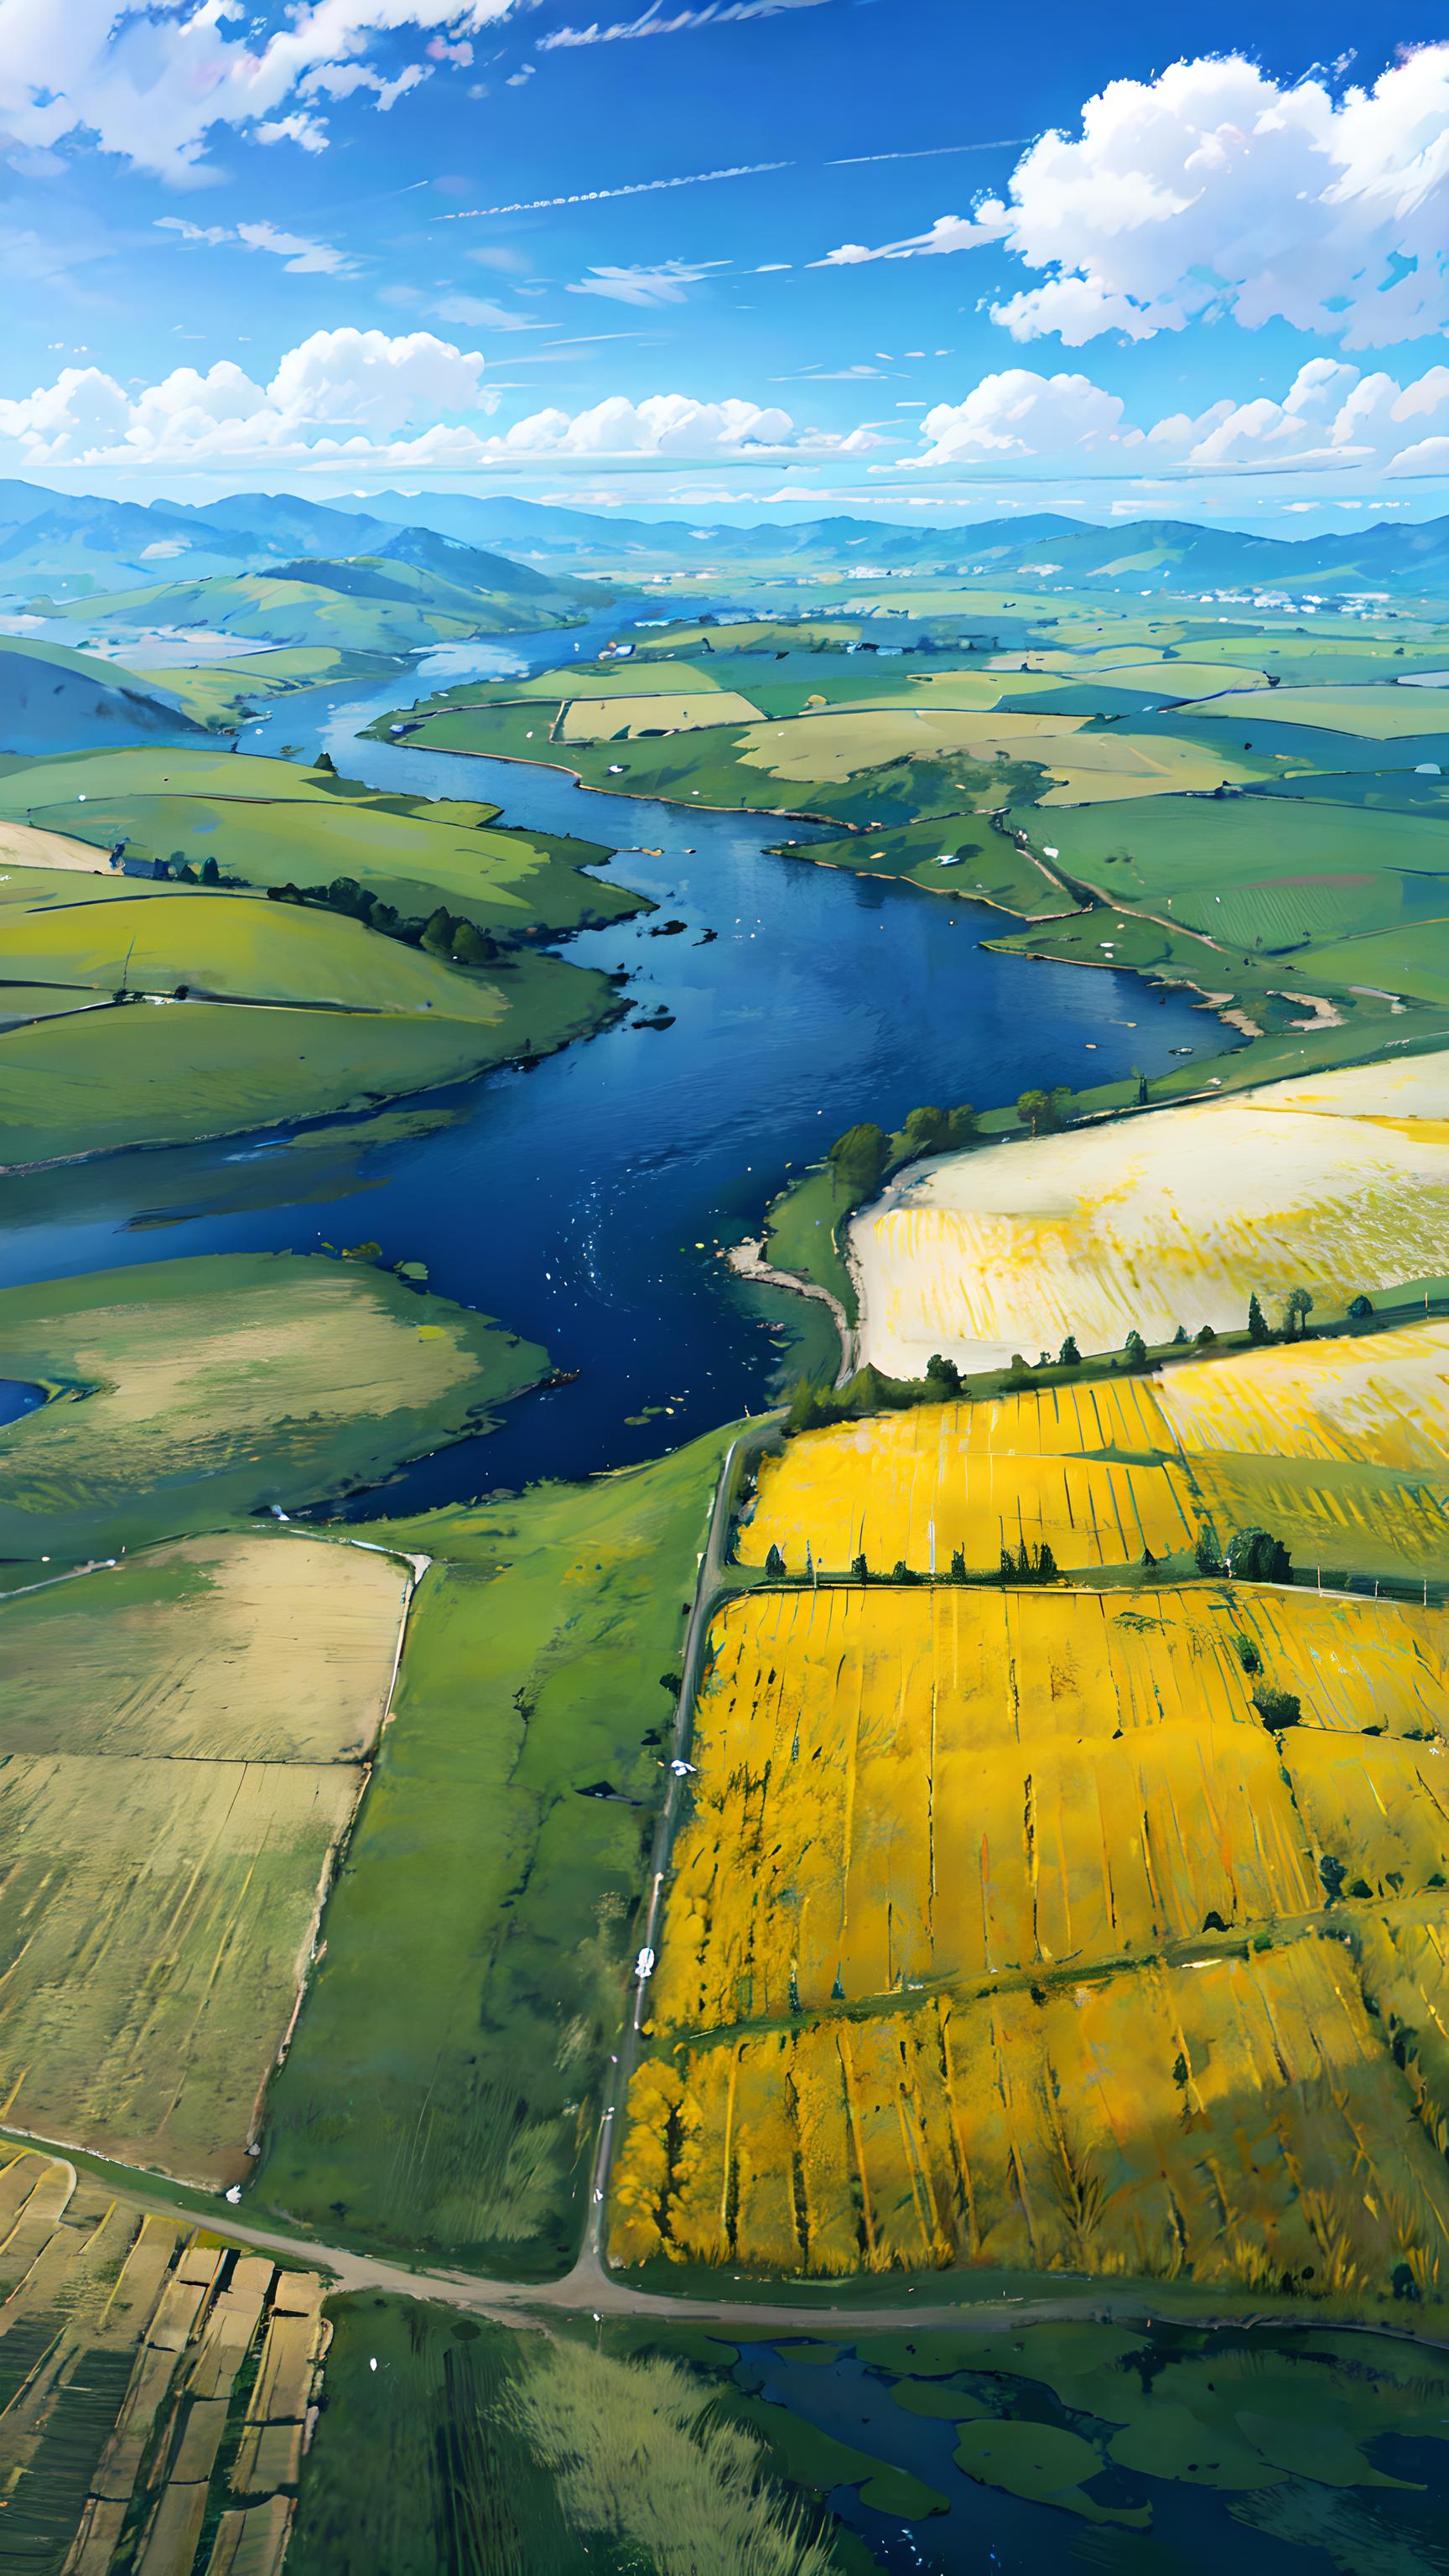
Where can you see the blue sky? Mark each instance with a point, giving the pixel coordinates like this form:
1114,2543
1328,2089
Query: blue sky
954,262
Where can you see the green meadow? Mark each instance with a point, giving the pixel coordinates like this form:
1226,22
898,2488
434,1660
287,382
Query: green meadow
443,2090
191,1393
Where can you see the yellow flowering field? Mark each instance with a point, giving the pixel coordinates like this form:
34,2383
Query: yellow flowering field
1233,2120
915,1486
1160,1221
903,1786
1381,1399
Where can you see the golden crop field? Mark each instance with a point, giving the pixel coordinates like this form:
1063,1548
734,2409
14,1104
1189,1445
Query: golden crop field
1380,1399
904,1786
1234,2120
142,2351
1175,1219
913,1487
182,1745
996,1934
602,719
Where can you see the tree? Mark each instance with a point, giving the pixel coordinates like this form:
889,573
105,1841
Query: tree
1180,1336
1045,1568
774,1565
958,1565
858,1159
943,1376
210,872
1278,1709
1255,1556
1040,1111
1258,1328
1360,1309
1205,1552
860,1569
325,761
438,929
1204,1336
1142,1091
1297,1307
1069,1356
961,1124
1136,1350
1248,1655
923,1132
472,946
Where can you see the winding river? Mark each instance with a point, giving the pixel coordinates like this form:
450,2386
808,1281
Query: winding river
586,1200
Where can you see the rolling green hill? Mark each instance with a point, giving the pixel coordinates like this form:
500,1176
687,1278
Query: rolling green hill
53,699
360,604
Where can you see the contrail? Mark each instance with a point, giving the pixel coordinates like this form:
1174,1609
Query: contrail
930,152
595,196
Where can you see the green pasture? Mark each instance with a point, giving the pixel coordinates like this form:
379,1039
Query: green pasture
272,823
189,1394
218,694
443,2090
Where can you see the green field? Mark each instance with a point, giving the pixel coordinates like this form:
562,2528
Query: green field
189,1393
270,822
220,694
443,2089
358,604
350,1012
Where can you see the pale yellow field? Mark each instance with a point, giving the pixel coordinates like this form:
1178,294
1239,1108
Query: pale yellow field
907,1785
1382,1398
916,1486
1379,714
25,845
1176,1218
275,1649
156,1918
1235,2120
602,719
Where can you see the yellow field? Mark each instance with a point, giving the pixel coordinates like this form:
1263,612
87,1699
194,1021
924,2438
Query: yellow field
1235,2121
996,1934
909,1785
604,719
133,2339
1173,1219
913,1487
1382,1399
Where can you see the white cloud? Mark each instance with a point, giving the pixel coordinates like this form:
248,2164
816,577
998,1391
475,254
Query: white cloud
653,22
1017,414
1215,190
480,313
150,84
1332,417
947,233
664,284
345,398
303,256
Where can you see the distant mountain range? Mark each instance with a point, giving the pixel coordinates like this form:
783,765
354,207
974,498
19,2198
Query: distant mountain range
70,545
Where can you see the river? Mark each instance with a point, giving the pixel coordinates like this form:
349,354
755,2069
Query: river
585,1201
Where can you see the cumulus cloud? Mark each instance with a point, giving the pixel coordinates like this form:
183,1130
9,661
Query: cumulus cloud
1017,414
150,84
303,256
665,284
1216,190
1332,417
363,398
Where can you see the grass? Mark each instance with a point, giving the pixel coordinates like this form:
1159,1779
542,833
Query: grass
802,1234
220,694
447,2445
271,822
191,1392
443,2089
